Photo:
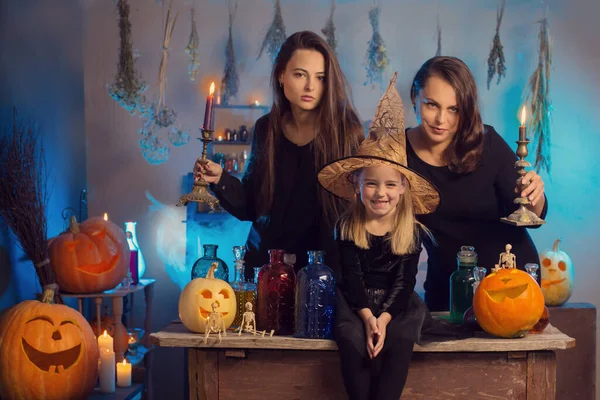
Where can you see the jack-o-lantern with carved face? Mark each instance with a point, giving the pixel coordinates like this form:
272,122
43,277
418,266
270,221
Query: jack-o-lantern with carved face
48,351
508,303
197,297
90,257
557,276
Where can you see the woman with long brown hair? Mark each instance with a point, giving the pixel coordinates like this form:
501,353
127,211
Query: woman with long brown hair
312,122
473,169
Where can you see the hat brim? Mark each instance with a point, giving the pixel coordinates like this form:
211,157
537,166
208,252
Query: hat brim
336,178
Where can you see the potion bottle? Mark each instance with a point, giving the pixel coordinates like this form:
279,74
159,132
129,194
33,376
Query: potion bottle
532,269
244,291
202,265
461,283
141,262
469,318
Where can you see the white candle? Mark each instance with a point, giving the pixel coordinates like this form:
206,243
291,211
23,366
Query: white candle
105,341
124,374
107,370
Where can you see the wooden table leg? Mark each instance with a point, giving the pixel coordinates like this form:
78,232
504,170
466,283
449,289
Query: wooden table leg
541,375
98,301
148,294
120,330
80,305
203,374
130,312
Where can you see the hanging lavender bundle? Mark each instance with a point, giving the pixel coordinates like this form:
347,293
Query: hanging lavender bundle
438,34
177,136
376,57
230,80
496,61
165,116
192,48
154,150
127,87
329,29
275,35
538,98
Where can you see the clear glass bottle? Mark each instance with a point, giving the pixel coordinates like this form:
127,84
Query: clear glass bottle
244,291
276,295
461,284
202,265
134,257
469,318
315,299
130,227
532,269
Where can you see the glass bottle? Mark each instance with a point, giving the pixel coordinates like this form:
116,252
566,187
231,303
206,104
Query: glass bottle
133,259
532,269
244,291
276,295
202,265
315,299
461,283
130,227
469,318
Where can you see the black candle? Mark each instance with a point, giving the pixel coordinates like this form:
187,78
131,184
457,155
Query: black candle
209,111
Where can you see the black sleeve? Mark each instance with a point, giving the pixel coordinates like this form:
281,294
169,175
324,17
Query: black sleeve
238,197
352,275
506,178
404,284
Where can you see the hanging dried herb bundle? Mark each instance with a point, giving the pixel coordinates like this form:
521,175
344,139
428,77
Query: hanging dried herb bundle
178,137
376,57
192,47
329,29
438,34
230,80
165,116
127,87
538,98
496,61
24,196
154,149
275,35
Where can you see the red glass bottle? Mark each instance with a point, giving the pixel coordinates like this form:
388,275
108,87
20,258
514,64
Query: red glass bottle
276,295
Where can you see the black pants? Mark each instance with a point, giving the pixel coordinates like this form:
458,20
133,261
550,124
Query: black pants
381,378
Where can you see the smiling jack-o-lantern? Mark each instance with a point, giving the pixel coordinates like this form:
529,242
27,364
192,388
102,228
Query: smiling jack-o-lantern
557,276
48,351
197,297
508,303
90,257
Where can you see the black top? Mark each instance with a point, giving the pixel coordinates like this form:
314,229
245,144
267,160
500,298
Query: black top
294,221
469,214
377,268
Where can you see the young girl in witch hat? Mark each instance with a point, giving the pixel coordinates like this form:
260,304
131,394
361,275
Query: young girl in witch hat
379,316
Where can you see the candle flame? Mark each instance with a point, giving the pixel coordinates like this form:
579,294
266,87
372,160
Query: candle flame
106,216
212,89
105,334
523,115
124,362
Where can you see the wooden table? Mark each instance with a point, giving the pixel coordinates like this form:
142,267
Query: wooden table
281,367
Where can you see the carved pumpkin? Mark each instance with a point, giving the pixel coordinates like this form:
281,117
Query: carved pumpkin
508,303
197,297
90,257
107,323
557,276
48,352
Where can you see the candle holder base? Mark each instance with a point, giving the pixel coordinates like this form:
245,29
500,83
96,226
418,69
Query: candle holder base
200,194
523,217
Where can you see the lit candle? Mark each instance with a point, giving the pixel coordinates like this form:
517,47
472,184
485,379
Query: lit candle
123,374
105,216
210,106
522,128
106,371
105,341
256,103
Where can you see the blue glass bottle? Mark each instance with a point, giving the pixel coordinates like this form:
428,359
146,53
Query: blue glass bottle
315,299
202,265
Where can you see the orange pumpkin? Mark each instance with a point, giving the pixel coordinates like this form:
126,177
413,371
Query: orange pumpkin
48,352
508,303
90,257
107,323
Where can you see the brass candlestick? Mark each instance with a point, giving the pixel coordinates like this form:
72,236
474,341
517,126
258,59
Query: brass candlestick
522,216
200,192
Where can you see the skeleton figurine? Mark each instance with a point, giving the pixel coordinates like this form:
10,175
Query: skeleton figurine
214,323
248,323
507,259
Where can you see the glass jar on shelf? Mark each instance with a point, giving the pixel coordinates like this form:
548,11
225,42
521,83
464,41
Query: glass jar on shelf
461,283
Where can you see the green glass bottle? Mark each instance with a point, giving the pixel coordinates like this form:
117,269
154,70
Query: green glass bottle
461,283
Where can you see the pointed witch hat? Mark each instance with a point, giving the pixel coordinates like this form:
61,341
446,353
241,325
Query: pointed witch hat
385,145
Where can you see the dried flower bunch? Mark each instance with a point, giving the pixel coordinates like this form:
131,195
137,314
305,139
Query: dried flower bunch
230,81
496,61
275,35
329,29
376,57
128,86
192,47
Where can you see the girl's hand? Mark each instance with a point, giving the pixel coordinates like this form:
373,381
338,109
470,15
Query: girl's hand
210,170
535,189
371,330
382,322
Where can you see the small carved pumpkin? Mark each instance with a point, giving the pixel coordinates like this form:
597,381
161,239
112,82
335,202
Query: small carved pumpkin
508,303
557,276
107,323
197,297
90,257
48,352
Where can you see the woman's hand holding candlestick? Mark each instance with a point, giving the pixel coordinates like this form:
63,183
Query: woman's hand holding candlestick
207,169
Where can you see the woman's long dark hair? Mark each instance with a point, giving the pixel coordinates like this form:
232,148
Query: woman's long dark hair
338,128
464,151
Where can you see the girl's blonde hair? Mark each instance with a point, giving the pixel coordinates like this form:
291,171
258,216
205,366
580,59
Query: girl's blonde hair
404,237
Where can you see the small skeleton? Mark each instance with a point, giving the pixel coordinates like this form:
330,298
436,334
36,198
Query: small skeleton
507,259
215,323
248,323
